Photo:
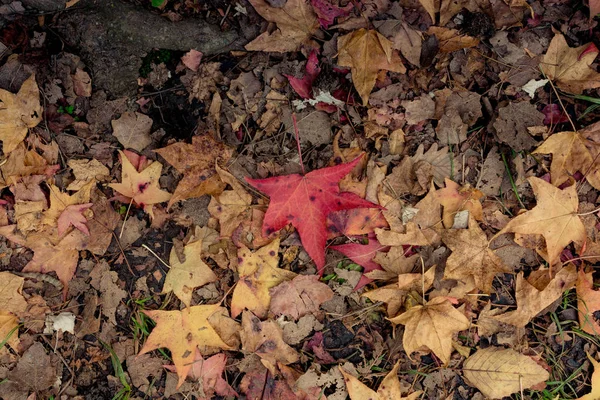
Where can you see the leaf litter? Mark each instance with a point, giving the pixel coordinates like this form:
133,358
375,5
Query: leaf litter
373,199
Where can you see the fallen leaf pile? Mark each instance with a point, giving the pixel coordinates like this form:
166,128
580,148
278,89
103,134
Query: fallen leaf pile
363,200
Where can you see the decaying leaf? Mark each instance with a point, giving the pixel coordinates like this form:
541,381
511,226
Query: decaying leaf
588,303
229,206
12,304
133,130
265,339
455,198
554,217
431,326
258,273
86,171
367,52
595,393
296,23
18,113
498,372
388,389
182,332
363,255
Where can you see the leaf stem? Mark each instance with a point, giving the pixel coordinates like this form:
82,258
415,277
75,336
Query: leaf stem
295,122
589,212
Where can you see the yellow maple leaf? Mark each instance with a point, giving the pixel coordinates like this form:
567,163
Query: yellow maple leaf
22,163
296,23
388,389
432,326
184,276
554,217
18,113
231,206
570,67
12,303
531,300
588,303
182,332
367,52
595,393
141,187
569,155
471,256
258,273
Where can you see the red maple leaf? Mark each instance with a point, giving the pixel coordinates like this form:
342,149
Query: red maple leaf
305,202
362,254
304,86
328,12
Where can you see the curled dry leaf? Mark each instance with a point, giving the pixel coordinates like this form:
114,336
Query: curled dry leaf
498,372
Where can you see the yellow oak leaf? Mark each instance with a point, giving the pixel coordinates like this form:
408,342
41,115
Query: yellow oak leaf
569,155
258,273
367,52
388,389
588,302
196,162
531,299
231,206
455,198
471,256
265,338
570,67
498,372
296,24
184,276
554,217
141,187
595,393
182,332
18,113
431,326
60,202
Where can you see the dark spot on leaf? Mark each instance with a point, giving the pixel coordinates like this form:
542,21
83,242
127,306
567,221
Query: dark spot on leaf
290,216
367,218
143,186
240,260
186,354
269,230
337,160
202,177
272,253
255,324
219,208
267,346
312,198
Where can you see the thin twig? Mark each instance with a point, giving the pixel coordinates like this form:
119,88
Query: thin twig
156,255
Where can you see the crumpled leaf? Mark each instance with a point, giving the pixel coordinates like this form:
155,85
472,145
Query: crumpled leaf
85,171
301,296
18,113
498,372
431,326
303,86
388,389
196,162
554,217
258,273
184,276
266,340
305,201
451,40
367,52
471,256
531,300
570,67
141,187
296,23
588,302
182,332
